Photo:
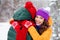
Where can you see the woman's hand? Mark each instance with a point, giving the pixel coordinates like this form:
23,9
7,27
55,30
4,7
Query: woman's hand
27,23
15,24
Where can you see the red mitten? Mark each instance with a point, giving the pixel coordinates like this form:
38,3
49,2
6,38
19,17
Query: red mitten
27,23
15,25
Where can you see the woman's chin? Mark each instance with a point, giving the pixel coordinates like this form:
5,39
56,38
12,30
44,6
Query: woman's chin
38,24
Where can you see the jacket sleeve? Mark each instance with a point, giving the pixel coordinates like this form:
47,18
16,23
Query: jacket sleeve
35,35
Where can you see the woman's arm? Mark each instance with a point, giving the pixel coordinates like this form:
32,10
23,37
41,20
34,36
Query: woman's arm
35,35
46,35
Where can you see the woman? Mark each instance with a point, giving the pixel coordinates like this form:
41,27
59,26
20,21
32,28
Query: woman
43,29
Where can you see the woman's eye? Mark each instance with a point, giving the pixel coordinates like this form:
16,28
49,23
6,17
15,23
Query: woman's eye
36,17
41,18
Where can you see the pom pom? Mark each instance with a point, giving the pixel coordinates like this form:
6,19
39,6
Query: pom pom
28,4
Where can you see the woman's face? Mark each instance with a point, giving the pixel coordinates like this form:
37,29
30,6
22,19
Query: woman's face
39,20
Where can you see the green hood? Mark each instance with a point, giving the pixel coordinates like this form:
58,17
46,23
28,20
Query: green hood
22,14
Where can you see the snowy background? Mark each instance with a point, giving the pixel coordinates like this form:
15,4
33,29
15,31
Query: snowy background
4,27
7,8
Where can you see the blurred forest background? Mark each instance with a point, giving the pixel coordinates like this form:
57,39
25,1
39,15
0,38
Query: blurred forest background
8,7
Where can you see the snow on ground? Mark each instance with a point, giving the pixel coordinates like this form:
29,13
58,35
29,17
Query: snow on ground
4,27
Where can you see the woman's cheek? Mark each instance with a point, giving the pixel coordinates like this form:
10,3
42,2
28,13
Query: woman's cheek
41,21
